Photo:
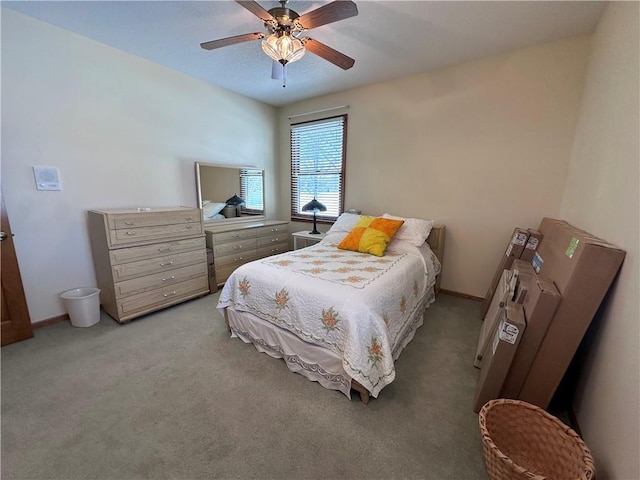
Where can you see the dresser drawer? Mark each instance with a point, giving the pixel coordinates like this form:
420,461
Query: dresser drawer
223,237
273,250
159,280
150,219
160,232
234,260
272,230
273,239
234,247
223,274
123,255
155,299
163,263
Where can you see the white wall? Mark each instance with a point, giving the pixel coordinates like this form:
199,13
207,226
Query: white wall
601,196
123,131
481,147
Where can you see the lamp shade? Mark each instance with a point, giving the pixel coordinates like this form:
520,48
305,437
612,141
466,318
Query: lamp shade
235,200
283,48
314,206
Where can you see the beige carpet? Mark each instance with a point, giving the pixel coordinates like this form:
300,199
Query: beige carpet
172,396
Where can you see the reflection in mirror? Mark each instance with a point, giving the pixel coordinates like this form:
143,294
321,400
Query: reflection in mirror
229,193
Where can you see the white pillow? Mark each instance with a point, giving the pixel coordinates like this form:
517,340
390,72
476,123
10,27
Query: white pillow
413,230
344,223
211,209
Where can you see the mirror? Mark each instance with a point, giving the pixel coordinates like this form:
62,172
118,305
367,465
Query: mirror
217,186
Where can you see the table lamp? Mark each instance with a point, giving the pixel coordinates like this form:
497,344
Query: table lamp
314,206
235,202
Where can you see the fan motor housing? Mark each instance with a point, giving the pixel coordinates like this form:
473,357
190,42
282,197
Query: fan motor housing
284,16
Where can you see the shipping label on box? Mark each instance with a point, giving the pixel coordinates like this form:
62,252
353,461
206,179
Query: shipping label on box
533,242
537,262
520,238
571,249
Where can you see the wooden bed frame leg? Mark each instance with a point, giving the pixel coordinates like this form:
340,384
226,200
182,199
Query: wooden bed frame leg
226,320
364,393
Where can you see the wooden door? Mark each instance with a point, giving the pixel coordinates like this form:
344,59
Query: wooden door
15,321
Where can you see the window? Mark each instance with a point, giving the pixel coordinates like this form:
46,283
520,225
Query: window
251,191
318,156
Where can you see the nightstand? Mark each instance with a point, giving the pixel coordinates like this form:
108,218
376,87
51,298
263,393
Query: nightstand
306,237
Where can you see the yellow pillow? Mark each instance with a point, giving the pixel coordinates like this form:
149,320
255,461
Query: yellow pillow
371,235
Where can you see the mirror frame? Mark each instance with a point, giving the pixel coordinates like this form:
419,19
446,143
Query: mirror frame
248,218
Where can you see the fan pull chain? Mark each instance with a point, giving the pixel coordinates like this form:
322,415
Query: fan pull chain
284,75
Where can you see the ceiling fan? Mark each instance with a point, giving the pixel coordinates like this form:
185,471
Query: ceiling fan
284,41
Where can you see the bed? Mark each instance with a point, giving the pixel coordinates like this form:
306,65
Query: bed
338,317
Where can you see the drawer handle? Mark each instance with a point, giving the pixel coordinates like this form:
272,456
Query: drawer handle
164,249
189,227
173,277
188,219
236,259
169,294
128,223
237,235
130,233
165,264
275,239
236,247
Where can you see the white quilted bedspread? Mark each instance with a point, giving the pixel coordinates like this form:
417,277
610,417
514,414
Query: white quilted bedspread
360,306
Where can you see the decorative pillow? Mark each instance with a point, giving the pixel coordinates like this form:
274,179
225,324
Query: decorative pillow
211,209
414,230
371,235
344,223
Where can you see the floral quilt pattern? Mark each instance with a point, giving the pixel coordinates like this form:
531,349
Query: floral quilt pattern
357,305
339,266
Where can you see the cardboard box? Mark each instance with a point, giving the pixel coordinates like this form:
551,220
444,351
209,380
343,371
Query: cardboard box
539,308
504,292
526,276
496,363
582,267
533,242
514,249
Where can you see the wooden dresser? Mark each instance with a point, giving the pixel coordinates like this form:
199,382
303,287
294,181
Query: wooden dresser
237,244
148,260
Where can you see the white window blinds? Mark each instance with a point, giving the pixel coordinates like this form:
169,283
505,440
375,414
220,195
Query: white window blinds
251,191
318,155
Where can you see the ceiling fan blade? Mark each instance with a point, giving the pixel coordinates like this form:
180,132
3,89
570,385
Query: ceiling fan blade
332,12
329,54
256,9
224,42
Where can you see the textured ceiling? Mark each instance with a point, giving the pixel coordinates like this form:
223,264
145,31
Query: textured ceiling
388,39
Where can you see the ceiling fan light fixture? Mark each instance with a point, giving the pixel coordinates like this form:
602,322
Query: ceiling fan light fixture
283,47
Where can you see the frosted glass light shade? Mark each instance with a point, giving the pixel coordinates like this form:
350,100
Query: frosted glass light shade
284,48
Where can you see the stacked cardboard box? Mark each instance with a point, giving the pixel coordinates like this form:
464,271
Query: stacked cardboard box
523,245
497,361
539,306
513,286
582,267
560,289
504,292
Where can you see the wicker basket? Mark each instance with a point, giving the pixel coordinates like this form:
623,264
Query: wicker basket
522,441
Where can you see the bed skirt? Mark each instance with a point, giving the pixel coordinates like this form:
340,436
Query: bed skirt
316,363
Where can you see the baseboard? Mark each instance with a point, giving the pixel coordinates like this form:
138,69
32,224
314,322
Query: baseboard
50,321
462,295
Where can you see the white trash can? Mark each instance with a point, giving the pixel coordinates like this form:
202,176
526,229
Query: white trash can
83,306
